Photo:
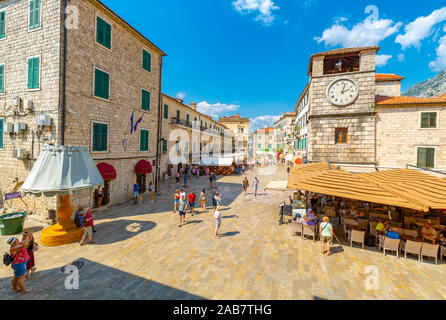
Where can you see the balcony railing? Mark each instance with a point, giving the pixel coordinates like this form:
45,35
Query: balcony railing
181,122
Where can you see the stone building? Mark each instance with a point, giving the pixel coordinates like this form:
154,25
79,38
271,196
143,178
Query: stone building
358,116
240,128
301,110
188,135
78,80
284,133
263,143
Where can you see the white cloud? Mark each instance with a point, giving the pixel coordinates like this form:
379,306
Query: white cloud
215,110
181,95
308,3
263,7
401,57
366,33
420,28
440,63
263,122
382,59
339,20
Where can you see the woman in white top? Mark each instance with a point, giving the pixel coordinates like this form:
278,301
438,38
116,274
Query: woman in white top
203,199
217,219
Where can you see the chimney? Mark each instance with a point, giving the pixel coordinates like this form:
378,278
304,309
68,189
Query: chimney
193,105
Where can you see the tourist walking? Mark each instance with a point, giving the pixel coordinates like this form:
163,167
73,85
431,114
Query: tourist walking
152,192
256,185
136,192
207,171
192,198
218,199
177,177
203,199
288,170
78,216
31,248
88,228
217,219
182,210
211,185
185,180
19,255
213,194
326,232
176,198
245,185
99,197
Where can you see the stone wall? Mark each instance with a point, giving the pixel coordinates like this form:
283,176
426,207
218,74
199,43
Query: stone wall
388,88
20,44
399,134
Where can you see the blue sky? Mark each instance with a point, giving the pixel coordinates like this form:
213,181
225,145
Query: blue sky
251,56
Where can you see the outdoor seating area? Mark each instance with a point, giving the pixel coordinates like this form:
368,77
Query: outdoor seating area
374,215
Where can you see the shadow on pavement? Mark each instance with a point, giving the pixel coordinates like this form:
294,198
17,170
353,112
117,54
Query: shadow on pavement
97,282
229,234
120,230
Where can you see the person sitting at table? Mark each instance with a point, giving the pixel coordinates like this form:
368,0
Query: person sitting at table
353,211
442,238
383,226
429,233
362,215
309,217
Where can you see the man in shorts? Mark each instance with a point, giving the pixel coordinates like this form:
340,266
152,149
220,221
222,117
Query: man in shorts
182,210
88,227
245,185
192,198
135,192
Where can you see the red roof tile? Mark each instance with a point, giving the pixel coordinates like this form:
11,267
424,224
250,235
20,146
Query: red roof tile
388,77
401,101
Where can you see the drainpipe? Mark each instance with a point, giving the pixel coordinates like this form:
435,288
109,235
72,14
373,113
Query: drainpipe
64,72
159,133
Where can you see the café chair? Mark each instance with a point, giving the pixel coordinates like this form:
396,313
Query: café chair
309,231
296,228
358,237
363,224
392,245
412,247
430,250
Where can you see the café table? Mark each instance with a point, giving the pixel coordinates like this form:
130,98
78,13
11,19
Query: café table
406,237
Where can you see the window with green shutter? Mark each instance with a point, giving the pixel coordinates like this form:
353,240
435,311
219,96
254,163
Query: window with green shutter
146,60
166,111
2,78
34,14
426,158
34,73
144,140
103,33
101,84
428,120
187,119
1,133
164,145
2,24
100,136
178,115
145,100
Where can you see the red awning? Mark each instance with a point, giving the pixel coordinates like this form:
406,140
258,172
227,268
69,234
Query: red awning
143,167
107,171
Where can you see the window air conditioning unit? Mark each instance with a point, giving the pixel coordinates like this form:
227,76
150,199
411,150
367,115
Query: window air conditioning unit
43,120
19,127
19,153
17,102
8,127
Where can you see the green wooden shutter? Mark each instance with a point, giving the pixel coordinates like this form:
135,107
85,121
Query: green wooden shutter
100,32
145,100
164,145
100,132
178,115
1,133
33,73
166,111
430,161
34,14
101,84
421,161
433,120
103,33
144,140
107,41
187,118
146,61
2,79
2,24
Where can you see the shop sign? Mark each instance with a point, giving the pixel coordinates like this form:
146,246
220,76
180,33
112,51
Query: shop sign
13,195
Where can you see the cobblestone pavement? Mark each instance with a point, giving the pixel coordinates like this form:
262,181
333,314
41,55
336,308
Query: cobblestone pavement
141,253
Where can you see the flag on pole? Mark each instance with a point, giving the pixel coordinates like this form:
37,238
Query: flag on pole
131,123
138,122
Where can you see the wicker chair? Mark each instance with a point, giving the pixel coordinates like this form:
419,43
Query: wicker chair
359,237
296,228
430,250
412,247
309,231
392,245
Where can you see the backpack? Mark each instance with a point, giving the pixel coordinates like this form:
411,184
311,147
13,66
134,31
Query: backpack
7,259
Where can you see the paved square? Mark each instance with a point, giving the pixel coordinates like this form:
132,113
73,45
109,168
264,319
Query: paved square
141,253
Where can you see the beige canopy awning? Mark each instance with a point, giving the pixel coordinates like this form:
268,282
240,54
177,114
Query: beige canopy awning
341,183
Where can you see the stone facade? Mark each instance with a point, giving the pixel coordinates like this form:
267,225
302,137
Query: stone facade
284,133
399,135
357,117
240,128
123,62
197,134
263,143
388,88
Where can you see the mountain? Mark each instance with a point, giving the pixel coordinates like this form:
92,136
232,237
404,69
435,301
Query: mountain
429,88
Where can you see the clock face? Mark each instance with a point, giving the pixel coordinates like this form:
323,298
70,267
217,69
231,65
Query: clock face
342,92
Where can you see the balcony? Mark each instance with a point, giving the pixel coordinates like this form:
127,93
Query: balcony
180,122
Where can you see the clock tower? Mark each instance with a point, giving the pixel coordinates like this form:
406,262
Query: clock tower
342,118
